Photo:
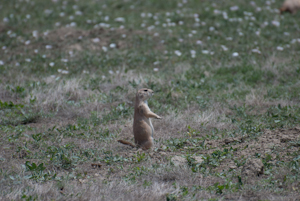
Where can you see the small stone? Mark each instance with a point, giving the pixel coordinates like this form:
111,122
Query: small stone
82,181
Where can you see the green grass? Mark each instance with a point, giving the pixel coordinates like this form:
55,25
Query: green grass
65,99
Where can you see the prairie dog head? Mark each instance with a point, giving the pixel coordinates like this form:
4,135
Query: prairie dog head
144,94
284,9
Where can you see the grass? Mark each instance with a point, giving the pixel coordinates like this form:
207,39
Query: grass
226,82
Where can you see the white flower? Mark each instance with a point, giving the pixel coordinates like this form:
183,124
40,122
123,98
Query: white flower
193,53
78,12
155,69
234,8
156,63
211,28
64,60
156,34
150,27
62,71
4,47
178,53
143,14
85,72
47,11
35,34
256,51
27,42
279,48
5,19
51,64
224,47
48,46
106,18
217,12
111,72
120,19
73,24
96,40
229,38
199,42
286,33
205,52
276,23
180,22
104,48
62,14
36,51
28,60
235,54
1,63
180,40
112,45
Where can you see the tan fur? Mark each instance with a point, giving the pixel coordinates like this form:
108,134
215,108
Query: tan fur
142,127
127,143
290,6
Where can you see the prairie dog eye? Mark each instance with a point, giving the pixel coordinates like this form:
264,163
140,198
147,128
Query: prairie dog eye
146,90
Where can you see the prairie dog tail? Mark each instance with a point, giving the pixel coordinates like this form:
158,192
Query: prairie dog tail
126,143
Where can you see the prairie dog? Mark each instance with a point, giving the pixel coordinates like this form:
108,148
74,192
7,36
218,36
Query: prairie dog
290,6
142,127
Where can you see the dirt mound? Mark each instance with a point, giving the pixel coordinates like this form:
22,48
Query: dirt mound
253,168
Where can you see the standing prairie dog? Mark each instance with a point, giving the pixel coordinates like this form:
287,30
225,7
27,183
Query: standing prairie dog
290,6
142,127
